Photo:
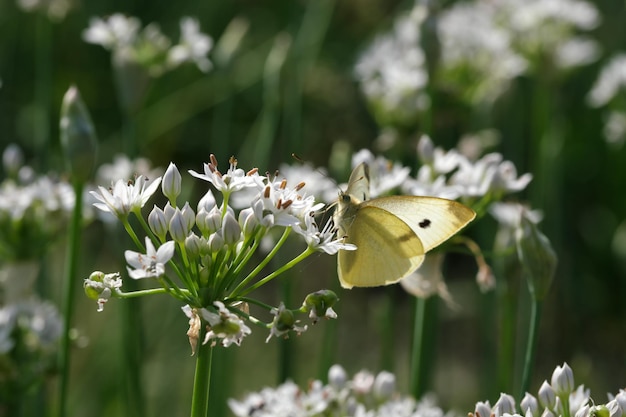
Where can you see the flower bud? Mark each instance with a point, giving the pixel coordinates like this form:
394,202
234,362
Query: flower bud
189,216
248,221
100,286
158,223
425,150
529,403
337,377
482,409
362,382
563,380
547,396
78,136
178,227
319,304
538,258
216,242
230,230
505,404
384,385
193,246
12,160
171,183
207,202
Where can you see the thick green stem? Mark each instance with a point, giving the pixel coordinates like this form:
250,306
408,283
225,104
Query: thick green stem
202,380
69,293
531,347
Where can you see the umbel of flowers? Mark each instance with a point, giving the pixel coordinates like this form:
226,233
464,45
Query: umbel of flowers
203,257
372,395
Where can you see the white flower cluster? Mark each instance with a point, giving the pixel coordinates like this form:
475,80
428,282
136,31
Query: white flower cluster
450,174
149,47
392,70
483,46
365,395
32,208
208,249
35,323
551,400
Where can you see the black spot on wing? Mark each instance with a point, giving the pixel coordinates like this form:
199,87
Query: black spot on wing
424,224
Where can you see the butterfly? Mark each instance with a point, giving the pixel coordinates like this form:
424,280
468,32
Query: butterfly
392,234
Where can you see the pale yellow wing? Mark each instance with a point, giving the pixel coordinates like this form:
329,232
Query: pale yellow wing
433,220
359,183
387,249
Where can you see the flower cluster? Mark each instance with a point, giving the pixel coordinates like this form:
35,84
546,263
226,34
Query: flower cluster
149,48
365,394
202,255
483,46
392,70
33,208
559,398
606,92
29,333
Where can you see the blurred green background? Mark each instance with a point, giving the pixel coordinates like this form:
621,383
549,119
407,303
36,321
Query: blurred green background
313,107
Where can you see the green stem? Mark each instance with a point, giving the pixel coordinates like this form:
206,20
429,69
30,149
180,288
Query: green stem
279,271
416,383
69,292
262,264
43,83
202,380
387,330
531,347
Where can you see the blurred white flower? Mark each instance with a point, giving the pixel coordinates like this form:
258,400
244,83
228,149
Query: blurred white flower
55,9
193,46
610,82
152,263
392,69
477,57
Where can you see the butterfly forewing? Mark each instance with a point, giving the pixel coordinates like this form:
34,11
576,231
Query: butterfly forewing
376,261
433,220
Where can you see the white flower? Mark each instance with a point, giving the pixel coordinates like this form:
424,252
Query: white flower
610,82
126,196
193,47
123,168
563,380
321,241
392,70
384,175
152,263
234,179
115,32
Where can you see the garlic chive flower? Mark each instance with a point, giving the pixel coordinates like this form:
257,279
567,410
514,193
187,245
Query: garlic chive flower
152,263
204,257
125,196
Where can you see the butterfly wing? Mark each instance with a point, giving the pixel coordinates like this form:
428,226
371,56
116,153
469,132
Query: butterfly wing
359,183
433,220
387,249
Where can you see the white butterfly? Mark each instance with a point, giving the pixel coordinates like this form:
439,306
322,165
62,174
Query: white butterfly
392,234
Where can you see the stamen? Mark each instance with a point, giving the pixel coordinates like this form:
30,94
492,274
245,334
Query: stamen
213,160
252,172
283,184
300,186
266,194
287,204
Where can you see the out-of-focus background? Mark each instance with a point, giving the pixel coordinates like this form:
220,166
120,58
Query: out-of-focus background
305,77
